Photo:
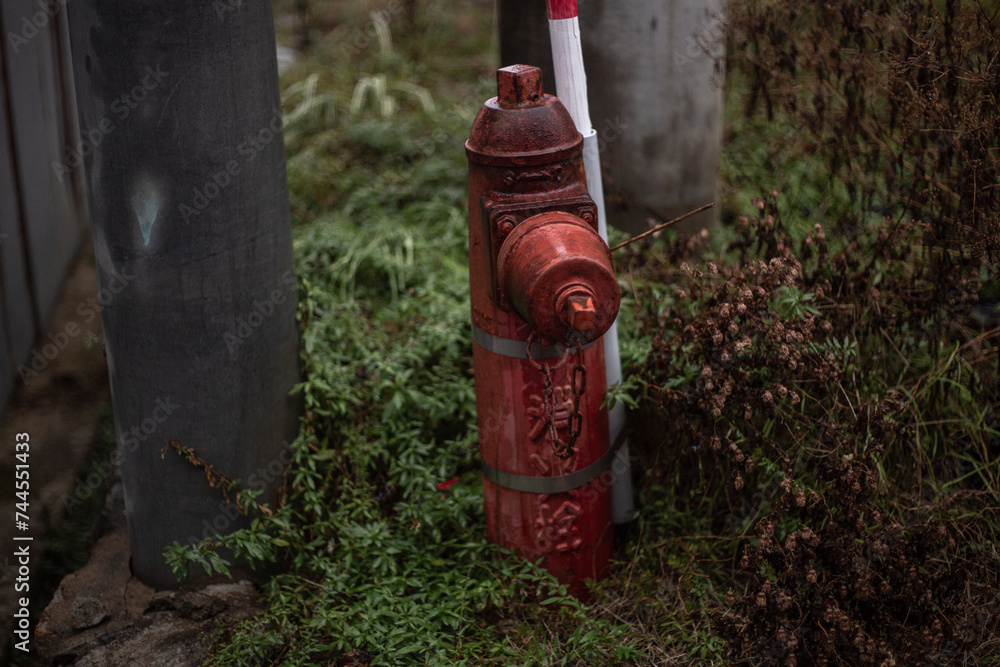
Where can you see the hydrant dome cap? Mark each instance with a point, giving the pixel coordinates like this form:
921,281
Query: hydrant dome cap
525,129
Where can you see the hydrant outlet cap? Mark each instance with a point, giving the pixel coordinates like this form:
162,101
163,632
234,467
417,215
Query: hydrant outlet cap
555,271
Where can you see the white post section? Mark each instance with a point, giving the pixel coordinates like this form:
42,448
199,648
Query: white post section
571,80
571,89
622,501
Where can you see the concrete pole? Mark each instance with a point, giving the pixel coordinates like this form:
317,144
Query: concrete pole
655,73
182,145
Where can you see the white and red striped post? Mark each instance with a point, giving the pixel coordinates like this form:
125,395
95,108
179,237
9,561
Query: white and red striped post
571,89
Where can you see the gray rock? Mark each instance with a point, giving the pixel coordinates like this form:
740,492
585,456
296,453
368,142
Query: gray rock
102,616
87,612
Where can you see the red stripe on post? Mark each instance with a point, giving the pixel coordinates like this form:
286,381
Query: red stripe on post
561,9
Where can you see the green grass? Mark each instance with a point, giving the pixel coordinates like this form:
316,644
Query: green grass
761,154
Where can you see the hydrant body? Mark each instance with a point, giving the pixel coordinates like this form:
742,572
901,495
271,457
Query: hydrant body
543,292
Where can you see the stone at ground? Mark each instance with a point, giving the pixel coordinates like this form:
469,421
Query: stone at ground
102,616
103,597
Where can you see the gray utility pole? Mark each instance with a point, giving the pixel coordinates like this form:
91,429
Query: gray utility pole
654,80
181,141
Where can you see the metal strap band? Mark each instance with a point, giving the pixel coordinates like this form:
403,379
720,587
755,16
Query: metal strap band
515,348
548,485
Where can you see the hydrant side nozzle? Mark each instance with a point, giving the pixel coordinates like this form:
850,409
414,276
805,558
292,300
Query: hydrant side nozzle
555,272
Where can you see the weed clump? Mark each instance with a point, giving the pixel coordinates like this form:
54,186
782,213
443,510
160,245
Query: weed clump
804,394
831,383
899,100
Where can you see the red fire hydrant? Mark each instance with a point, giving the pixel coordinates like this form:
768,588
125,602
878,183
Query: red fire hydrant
543,292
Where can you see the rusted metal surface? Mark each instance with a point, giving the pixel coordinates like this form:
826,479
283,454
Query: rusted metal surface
539,270
556,273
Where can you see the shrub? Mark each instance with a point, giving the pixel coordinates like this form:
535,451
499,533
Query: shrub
829,386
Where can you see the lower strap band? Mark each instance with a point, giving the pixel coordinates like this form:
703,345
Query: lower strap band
551,485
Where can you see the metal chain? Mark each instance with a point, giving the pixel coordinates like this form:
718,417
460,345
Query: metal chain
578,383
